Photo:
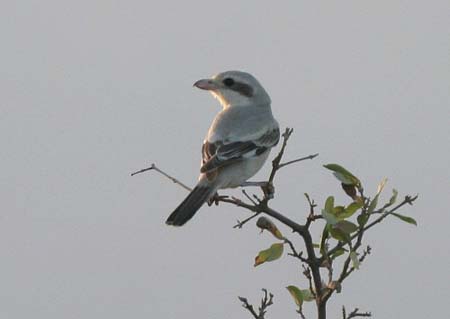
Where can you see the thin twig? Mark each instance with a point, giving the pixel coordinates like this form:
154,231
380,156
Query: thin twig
266,301
173,179
294,253
311,216
346,273
355,313
240,224
248,306
300,311
276,162
298,160
248,197
307,273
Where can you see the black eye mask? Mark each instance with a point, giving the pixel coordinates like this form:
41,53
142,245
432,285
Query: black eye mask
241,88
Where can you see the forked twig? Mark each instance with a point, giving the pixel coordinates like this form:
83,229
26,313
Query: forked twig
354,314
266,301
245,221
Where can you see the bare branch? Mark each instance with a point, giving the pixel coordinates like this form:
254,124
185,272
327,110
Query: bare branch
240,224
248,197
294,251
309,157
307,273
266,301
276,161
354,314
173,179
300,311
248,306
311,217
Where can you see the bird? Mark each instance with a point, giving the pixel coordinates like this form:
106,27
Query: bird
238,141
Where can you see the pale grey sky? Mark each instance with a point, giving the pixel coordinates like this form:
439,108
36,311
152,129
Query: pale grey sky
92,90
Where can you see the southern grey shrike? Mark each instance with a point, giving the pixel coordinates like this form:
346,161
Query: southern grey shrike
238,141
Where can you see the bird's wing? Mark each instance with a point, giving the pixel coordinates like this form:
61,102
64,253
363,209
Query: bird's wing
219,153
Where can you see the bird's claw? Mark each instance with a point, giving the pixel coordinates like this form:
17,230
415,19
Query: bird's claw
216,199
268,190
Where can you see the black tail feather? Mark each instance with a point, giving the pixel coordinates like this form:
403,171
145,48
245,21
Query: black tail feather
187,209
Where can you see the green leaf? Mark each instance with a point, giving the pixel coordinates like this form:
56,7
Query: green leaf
355,260
338,210
307,295
329,217
343,175
329,204
274,252
296,294
372,205
350,210
346,226
407,219
338,253
362,219
328,211
393,197
323,239
338,234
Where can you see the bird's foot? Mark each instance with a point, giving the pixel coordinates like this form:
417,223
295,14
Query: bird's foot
216,199
269,190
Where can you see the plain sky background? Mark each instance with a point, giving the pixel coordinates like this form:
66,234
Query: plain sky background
93,90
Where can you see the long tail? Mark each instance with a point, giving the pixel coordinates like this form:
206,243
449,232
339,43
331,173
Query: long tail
187,209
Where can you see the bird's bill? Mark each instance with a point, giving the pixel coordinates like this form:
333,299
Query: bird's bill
206,84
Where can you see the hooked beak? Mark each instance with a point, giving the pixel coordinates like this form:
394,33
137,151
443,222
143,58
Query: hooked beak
206,84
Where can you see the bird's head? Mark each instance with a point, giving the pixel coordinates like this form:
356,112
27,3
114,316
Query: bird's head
235,88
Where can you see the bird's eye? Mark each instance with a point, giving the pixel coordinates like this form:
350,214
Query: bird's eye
228,82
